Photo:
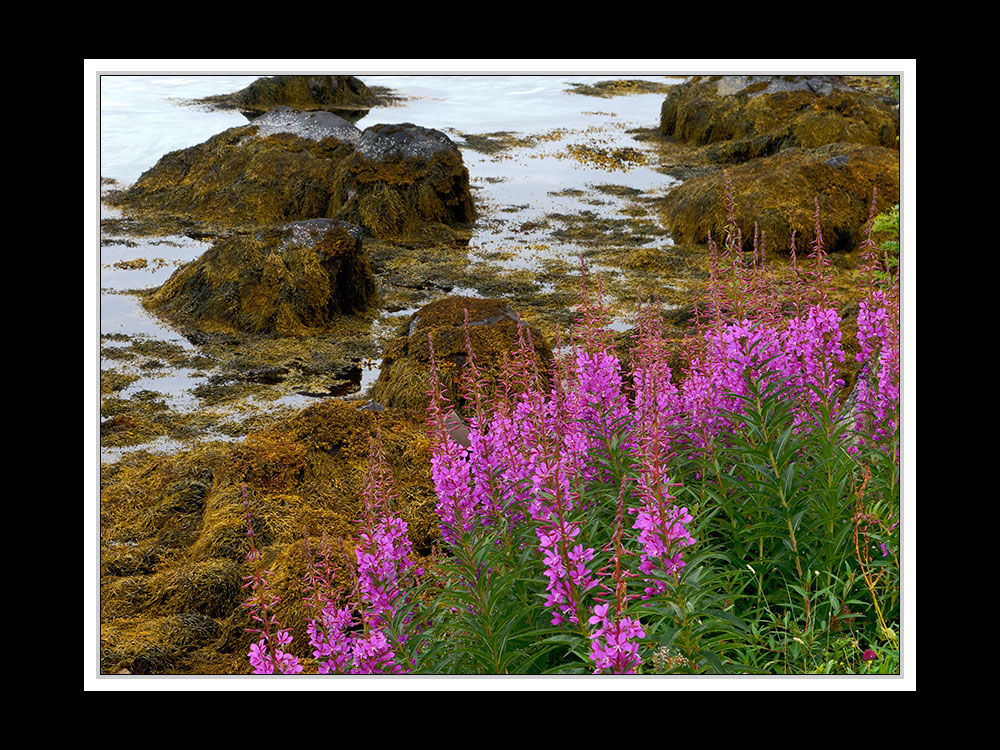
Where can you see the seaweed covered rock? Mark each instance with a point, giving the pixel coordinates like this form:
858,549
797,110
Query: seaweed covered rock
174,532
288,279
343,95
279,168
396,181
493,330
404,181
742,117
778,193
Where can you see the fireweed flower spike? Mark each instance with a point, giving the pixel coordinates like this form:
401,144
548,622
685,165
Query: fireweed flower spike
484,459
330,631
614,644
450,468
266,655
878,339
385,563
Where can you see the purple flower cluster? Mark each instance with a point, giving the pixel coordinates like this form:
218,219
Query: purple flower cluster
566,569
342,650
878,378
663,534
614,646
331,640
385,560
536,445
268,657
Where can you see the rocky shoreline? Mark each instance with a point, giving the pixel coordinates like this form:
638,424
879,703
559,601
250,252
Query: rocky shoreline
299,272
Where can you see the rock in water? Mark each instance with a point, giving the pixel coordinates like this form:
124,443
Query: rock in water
776,195
396,181
278,169
749,116
344,95
401,178
291,279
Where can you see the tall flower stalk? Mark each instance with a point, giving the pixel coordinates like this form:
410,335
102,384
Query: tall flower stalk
268,654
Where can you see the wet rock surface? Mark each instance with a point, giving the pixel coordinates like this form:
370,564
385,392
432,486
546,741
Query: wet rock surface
312,125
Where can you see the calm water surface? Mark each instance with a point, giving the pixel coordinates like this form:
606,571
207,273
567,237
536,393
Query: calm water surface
144,117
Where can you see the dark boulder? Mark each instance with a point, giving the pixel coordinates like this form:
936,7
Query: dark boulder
344,95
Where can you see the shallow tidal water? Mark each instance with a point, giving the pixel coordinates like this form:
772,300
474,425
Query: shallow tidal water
548,130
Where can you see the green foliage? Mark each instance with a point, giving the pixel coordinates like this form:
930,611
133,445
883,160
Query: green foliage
485,614
885,229
784,577
784,540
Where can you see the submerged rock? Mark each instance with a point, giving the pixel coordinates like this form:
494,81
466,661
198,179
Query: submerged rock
344,95
493,332
778,194
744,117
288,279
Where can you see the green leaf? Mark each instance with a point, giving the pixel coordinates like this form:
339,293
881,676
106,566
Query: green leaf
728,617
715,662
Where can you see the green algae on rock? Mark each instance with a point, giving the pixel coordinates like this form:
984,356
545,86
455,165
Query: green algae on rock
343,95
776,195
742,117
289,279
493,332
